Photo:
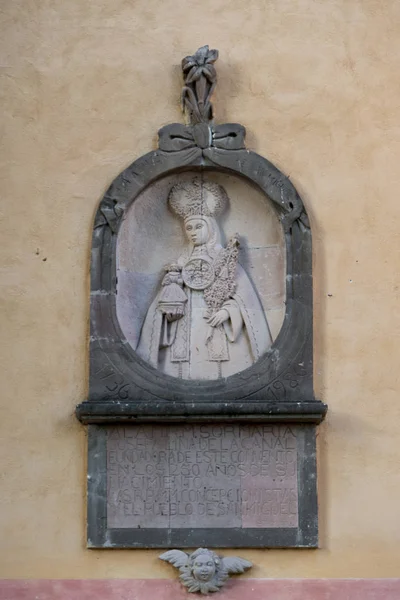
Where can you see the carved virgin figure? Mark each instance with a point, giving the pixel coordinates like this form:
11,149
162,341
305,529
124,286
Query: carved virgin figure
206,321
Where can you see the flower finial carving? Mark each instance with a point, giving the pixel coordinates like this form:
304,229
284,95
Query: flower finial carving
203,570
200,78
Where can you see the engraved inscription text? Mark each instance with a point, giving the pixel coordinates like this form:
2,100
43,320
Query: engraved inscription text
203,476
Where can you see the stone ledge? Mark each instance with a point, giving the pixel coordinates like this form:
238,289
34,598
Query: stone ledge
101,412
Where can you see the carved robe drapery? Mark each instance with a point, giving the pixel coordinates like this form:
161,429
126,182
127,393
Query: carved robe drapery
190,348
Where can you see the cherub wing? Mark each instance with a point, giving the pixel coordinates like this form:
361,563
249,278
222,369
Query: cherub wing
175,557
234,564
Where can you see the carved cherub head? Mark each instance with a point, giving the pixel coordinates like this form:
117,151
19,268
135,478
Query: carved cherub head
204,571
204,564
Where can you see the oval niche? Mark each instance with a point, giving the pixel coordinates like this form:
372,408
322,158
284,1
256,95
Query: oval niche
201,275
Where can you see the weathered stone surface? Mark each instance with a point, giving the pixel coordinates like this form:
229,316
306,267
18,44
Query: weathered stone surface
227,484
202,476
138,343
204,570
180,335
277,385
150,244
152,236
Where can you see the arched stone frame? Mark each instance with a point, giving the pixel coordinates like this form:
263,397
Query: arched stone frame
279,386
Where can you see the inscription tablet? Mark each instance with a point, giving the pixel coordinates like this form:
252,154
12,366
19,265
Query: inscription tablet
197,485
202,476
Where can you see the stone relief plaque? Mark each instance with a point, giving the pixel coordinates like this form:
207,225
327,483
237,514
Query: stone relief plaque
202,476
195,299
201,408
201,279
217,484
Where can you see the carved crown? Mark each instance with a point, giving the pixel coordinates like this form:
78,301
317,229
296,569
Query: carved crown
198,198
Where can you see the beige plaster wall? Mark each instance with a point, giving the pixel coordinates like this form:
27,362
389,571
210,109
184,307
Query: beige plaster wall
85,86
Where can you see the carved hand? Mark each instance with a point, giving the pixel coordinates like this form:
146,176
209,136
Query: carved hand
173,314
219,317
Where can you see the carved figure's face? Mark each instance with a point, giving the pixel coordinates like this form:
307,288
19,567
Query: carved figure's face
203,568
197,231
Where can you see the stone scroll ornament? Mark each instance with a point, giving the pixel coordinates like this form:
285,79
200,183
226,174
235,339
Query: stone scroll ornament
203,570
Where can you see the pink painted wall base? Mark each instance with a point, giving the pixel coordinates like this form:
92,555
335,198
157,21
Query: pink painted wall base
166,589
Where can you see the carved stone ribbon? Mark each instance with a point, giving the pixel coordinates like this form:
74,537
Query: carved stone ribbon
177,137
189,144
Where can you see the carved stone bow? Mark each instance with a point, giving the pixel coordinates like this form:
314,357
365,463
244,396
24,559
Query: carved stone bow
177,137
219,144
